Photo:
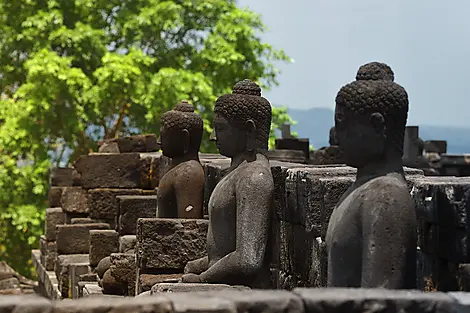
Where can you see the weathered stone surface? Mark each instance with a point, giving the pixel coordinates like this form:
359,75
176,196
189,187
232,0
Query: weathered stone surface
74,200
75,271
462,299
54,217
89,277
442,206
62,268
103,202
187,287
464,277
48,253
111,286
73,239
82,220
69,216
61,176
9,283
127,243
110,170
103,266
275,301
25,303
110,304
132,208
54,196
200,303
108,147
147,281
102,244
123,269
334,300
89,290
137,143
170,243
48,283
332,190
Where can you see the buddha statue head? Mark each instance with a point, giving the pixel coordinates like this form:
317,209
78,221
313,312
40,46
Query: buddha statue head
242,120
180,131
375,71
370,120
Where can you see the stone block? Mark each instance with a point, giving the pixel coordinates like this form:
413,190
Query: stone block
91,289
170,243
62,268
275,301
332,190
74,239
150,169
336,300
25,303
132,208
54,196
74,200
83,220
146,281
137,143
123,269
48,282
212,176
296,256
103,202
48,253
102,244
197,302
89,277
75,271
187,287
111,171
61,176
54,217
111,304
442,207
312,196
127,243
9,283
69,216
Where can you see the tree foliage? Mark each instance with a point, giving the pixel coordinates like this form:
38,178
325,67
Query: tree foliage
76,71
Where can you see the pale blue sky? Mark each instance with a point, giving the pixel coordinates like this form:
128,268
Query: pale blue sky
426,42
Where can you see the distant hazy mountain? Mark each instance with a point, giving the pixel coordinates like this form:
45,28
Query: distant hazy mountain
315,124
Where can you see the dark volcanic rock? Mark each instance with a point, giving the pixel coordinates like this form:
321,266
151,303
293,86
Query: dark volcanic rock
170,243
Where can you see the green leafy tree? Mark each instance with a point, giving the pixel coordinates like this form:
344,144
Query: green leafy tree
73,72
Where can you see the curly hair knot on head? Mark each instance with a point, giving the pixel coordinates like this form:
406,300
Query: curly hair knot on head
375,71
245,103
365,97
183,117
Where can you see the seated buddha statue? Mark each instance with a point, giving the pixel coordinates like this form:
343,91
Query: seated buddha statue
371,238
181,190
240,205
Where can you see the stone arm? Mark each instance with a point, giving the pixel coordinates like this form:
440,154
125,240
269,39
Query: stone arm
254,196
197,266
189,193
389,238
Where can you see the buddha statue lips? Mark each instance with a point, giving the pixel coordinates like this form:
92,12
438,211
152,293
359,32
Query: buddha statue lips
181,190
371,237
240,205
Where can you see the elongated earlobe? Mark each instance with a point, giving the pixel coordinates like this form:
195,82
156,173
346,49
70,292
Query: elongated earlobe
186,141
250,135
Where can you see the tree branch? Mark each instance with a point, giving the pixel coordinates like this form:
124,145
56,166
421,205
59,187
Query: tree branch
117,124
